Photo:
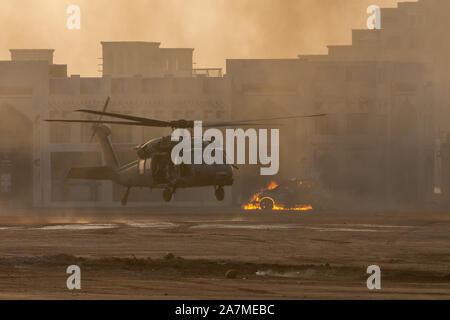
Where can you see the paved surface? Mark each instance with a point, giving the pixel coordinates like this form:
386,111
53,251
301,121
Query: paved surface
185,254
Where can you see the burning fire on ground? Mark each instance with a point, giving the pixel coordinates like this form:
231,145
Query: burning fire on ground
258,199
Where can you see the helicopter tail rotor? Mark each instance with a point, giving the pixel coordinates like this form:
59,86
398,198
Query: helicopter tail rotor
96,124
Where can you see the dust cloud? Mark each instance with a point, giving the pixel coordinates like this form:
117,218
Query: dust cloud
217,29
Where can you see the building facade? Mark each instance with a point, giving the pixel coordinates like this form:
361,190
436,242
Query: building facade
35,155
412,32
385,97
377,140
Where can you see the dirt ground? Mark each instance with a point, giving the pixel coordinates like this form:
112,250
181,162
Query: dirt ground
222,254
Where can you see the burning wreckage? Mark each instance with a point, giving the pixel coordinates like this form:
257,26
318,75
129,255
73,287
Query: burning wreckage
293,194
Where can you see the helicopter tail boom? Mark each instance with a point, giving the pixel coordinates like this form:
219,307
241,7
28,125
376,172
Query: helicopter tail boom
102,132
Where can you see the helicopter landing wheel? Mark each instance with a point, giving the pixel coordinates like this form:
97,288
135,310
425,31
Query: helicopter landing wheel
125,197
167,195
220,193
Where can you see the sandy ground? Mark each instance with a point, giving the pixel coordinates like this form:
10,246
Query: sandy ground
185,254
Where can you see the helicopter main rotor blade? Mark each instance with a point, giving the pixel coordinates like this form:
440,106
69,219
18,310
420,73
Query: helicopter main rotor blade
101,121
146,121
141,124
242,122
105,106
234,124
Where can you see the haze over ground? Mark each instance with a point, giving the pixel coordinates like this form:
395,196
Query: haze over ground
217,29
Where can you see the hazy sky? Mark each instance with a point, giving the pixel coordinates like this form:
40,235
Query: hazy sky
217,29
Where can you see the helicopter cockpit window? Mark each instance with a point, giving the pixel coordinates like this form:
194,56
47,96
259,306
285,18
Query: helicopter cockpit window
148,165
141,166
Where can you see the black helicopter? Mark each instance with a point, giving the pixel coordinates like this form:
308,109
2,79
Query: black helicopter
154,167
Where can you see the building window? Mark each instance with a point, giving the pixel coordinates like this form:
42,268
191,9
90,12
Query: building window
220,114
176,114
117,85
185,64
5,183
63,189
90,86
414,43
394,42
357,123
207,114
326,125
86,132
59,132
413,20
358,74
381,126
121,134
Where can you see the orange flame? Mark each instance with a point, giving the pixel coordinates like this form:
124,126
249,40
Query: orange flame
254,203
272,185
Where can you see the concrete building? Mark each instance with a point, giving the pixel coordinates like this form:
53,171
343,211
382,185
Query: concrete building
377,140
387,99
385,96
415,32
35,155
126,59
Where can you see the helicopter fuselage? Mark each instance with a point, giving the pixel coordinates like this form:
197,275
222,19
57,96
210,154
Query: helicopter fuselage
141,173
